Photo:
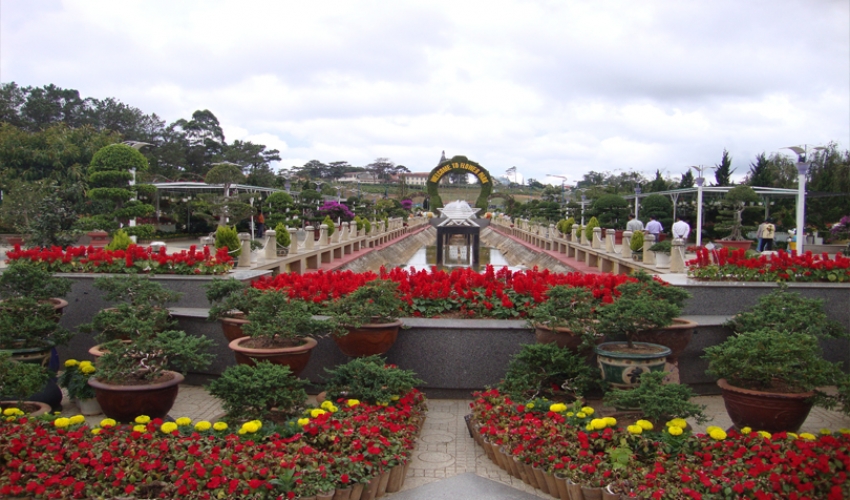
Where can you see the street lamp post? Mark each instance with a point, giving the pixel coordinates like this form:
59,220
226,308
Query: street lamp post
700,181
583,201
637,201
802,170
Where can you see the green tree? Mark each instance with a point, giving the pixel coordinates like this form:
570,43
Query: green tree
658,206
723,171
611,210
109,177
657,184
760,173
687,180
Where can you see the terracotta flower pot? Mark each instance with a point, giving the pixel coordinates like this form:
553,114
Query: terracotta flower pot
126,402
296,358
232,329
31,408
368,339
765,411
736,245
563,337
622,366
676,336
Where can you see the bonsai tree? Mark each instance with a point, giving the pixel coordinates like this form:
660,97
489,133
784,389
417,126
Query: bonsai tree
150,355
546,370
263,392
644,304
665,246
109,175
18,381
375,302
611,210
659,402
573,308
735,201
369,379
28,323
230,298
24,279
277,321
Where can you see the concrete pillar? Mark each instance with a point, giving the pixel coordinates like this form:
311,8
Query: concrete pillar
379,226
323,235
343,232
626,249
293,240
574,233
309,241
597,238
648,241
245,256
583,236
271,244
677,256
609,240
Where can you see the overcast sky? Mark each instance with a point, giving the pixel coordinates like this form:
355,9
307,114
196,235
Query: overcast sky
551,87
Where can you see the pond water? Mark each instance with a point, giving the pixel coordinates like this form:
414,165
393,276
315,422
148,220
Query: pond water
457,256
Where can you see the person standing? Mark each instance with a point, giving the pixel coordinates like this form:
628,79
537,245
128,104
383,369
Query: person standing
681,229
759,232
767,234
261,225
634,224
654,227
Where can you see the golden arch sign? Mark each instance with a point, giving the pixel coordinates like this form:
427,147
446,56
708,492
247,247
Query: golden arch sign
462,164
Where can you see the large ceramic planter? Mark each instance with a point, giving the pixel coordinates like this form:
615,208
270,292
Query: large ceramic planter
676,336
765,411
232,329
736,245
50,394
662,260
622,366
99,239
563,337
368,339
126,402
295,357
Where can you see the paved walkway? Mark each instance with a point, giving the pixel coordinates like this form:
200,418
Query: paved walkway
445,449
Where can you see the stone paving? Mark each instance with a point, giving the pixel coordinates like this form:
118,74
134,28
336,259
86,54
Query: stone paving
445,449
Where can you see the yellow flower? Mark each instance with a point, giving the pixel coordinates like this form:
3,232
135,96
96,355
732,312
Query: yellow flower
792,435
303,421
140,428
711,428
610,421
143,419
203,426
675,430
87,369
718,434
529,406
220,426
589,427
183,421
326,405
597,423
825,431
352,402
168,427
634,429
765,434
570,414
77,419
96,430
258,423
844,430
71,362
558,407
11,412
644,424
678,422
316,412
746,430
107,422
581,414
807,436
242,431
251,427
394,398
587,410
62,422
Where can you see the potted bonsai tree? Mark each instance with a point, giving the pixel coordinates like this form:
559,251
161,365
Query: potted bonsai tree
567,318
548,371
369,379
266,391
735,201
662,251
655,401
17,382
644,310
366,320
143,377
279,330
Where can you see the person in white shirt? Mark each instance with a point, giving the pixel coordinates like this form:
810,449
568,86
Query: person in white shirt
634,224
654,227
681,229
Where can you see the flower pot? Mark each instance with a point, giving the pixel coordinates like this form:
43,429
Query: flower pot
370,490
382,485
622,366
88,406
126,402
591,493
574,490
342,493
31,408
561,485
768,411
736,245
550,484
563,337
368,339
356,491
608,494
662,260
396,479
99,239
676,336
295,358
232,329
97,350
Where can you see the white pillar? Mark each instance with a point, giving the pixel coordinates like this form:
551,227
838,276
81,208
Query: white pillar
609,240
648,241
802,169
293,240
271,244
245,256
677,256
700,181
626,248
310,237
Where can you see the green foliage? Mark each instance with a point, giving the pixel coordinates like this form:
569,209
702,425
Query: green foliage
281,235
252,392
230,297
18,381
279,202
150,354
644,304
369,379
331,225
658,206
108,177
735,201
359,222
544,370
367,226
75,381
573,308
665,246
658,401
773,361
636,243
120,241
24,279
25,322
588,229
277,320
141,231
783,310
565,226
611,210
375,302
226,236
135,290
118,158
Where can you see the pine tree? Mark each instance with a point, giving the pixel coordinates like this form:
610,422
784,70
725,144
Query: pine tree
723,172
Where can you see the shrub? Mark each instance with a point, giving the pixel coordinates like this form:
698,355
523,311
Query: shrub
252,392
142,231
19,381
24,279
331,225
636,243
658,401
543,370
662,247
588,230
120,241
612,211
281,235
369,379
226,236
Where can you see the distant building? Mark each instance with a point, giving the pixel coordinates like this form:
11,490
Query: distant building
359,176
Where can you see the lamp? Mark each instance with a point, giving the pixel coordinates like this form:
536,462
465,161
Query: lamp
637,203
700,181
802,170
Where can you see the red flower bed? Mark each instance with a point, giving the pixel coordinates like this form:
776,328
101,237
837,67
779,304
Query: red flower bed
428,293
723,265
135,259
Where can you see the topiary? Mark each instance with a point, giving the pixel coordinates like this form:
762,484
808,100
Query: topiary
253,392
588,230
367,226
331,225
281,235
226,236
546,370
636,243
369,379
612,210
120,241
